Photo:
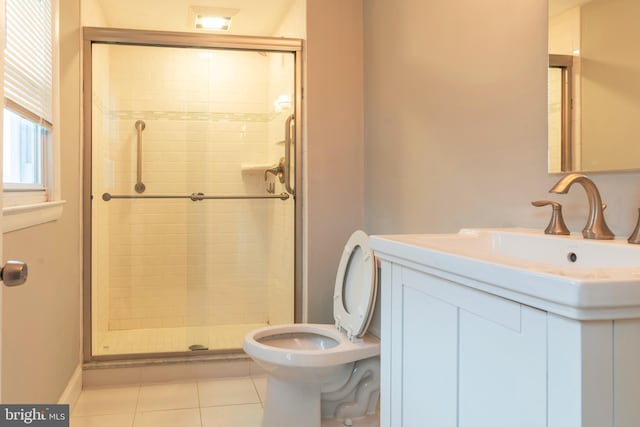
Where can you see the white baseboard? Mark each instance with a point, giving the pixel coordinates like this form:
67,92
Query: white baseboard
72,390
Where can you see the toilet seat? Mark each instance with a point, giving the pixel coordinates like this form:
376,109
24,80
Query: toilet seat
257,344
355,288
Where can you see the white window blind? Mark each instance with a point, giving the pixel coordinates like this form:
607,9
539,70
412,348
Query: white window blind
28,77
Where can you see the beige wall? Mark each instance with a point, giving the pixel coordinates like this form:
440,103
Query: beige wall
334,168
455,108
564,32
41,331
610,88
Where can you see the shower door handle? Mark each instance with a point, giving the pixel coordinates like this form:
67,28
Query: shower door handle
14,273
289,139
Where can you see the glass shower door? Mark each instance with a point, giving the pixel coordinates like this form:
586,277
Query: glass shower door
192,228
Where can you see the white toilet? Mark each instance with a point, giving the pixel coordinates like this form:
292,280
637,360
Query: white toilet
325,371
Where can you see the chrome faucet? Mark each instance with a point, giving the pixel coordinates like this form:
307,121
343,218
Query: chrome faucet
596,227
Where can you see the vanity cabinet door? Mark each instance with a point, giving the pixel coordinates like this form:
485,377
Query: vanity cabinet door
503,370
453,356
427,361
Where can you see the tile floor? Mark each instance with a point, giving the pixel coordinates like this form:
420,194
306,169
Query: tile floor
224,402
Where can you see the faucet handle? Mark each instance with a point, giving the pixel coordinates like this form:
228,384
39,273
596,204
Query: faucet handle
556,224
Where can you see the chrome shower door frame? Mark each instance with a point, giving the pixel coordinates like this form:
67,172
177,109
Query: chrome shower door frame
98,35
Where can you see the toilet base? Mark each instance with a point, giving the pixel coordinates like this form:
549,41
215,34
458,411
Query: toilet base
291,405
299,405
368,421
349,393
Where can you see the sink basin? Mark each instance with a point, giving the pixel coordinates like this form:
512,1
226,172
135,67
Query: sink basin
534,248
578,278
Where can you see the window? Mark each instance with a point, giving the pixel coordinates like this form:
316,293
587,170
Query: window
24,148
28,116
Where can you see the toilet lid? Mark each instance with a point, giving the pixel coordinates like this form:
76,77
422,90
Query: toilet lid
356,286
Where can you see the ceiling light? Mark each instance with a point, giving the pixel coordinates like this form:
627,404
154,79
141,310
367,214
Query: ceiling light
220,23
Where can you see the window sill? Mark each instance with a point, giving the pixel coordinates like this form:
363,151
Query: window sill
19,217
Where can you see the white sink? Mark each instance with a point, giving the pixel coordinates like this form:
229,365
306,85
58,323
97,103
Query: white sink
578,278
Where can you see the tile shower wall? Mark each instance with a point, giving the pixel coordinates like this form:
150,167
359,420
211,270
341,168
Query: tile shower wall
100,222
174,262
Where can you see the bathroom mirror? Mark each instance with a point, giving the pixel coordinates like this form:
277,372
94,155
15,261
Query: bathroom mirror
594,85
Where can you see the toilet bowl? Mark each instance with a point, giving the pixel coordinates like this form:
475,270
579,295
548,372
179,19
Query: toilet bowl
318,371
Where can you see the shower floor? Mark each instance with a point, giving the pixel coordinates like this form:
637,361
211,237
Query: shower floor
163,340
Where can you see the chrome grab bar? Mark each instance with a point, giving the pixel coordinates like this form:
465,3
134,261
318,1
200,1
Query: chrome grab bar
287,152
139,187
194,197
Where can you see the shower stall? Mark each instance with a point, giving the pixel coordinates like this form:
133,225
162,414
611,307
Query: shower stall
191,180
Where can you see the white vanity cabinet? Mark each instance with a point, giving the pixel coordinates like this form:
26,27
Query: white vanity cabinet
458,353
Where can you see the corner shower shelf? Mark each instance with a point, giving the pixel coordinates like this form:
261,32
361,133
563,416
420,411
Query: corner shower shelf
251,168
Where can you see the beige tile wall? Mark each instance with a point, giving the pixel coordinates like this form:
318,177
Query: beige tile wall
167,263
102,165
